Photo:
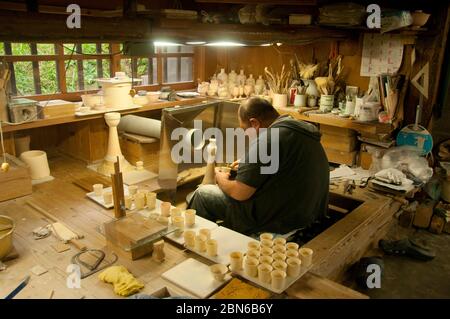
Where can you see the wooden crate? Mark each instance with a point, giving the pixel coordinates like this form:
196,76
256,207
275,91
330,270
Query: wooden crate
57,108
17,181
146,150
343,143
340,157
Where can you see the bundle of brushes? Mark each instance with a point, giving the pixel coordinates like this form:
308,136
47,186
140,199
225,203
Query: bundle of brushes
278,83
328,85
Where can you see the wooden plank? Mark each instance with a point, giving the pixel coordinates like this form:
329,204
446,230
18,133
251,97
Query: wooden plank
16,182
338,142
312,286
345,242
69,119
334,130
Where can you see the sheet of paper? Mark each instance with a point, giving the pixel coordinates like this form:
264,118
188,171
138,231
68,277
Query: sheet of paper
382,53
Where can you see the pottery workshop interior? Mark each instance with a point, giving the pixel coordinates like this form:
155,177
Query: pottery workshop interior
224,149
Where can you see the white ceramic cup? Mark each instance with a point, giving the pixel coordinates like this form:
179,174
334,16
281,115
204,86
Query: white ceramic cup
278,279
139,201
189,216
291,245
132,190
236,261
279,241
165,208
279,264
251,266
279,100
300,100
211,247
218,271
291,253
279,249
139,165
151,200
265,260
253,253
306,256
279,256
205,232
189,238
264,273
293,267
107,198
200,243
263,236
98,189
163,220
266,243
266,251
128,201
252,245
178,222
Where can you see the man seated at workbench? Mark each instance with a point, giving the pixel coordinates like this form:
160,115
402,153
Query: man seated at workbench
291,198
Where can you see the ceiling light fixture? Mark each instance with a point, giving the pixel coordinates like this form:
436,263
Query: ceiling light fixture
165,44
195,42
225,44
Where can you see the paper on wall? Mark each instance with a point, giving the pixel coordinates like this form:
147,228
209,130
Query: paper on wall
382,53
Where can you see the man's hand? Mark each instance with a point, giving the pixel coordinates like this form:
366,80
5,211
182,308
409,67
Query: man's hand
221,176
235,165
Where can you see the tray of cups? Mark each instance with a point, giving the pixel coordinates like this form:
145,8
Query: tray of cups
271,263
215,244
104,196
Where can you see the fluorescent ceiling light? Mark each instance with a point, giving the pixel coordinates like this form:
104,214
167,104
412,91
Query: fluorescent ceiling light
266,44
165,44
195,42
225,44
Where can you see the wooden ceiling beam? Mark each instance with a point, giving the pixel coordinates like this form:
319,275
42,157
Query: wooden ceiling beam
274,2
20,26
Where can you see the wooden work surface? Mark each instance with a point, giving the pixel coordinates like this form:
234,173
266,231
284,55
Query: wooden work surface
73,118
335,120
67,201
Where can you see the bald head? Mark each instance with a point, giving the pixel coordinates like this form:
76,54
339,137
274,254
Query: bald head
257,112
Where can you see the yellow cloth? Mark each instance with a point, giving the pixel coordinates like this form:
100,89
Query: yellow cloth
124,283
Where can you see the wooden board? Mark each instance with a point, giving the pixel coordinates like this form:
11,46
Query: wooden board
312,286
99,199
87,182
328,129
16,182
195,277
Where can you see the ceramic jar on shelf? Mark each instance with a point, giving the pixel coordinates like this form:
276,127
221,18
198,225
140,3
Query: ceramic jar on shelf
241,78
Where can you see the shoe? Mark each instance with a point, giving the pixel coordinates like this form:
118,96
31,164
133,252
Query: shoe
406,247
361,272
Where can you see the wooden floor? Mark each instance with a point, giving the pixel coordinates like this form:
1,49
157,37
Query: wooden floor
67,201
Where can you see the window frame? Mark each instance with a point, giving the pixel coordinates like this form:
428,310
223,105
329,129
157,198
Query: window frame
60,58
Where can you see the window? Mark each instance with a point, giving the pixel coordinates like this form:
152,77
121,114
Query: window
59,69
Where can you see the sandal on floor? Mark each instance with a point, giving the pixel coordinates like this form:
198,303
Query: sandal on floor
360,270
406,247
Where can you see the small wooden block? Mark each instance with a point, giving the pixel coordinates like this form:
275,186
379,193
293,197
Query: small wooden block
423,214
61,247
437,224
38,270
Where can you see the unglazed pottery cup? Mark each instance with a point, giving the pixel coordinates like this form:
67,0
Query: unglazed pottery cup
263,236
293,267
279,249
278,279
293,246
305,256
292,253
107,198
189,238
266,243
163,220
252,245
151,200
175,212
266,251
218,271
205,232
132,190
139,201
253,253
236,261
264,271
251,266
128,201
178,222
279,241
200,243
98,189
189,217
279,264
266,260
211,247
165,208
279,256
139,165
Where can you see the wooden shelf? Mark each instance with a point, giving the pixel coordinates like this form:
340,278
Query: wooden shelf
73,118
335,120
